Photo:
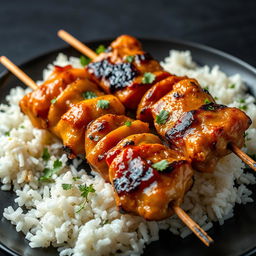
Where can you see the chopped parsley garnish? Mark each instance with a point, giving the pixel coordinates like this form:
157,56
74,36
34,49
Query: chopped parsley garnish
162,117
46,155
89,95
243,107
232,86
104,222
53,100
206,88
148,78
7,133
241,101
76,178
216,98
22,127
206,101
104,104
85,190
48,172
128,123
129,59
101,48
66,186
84,60
161,165
210,107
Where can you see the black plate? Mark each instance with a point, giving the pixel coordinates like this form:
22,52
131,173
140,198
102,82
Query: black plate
236,237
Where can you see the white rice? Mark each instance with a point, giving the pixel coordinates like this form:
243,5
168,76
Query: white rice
46,213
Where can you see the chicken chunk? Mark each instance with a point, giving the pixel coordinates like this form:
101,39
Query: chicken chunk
75,92
96,157
120,70
143,190
36,104
72,125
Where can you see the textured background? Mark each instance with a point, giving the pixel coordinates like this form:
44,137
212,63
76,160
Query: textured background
28,28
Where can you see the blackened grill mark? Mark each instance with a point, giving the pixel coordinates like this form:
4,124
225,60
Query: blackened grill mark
133,176
100,127
140,58
128,143
119,75
181,126
188,119
177,95
212,106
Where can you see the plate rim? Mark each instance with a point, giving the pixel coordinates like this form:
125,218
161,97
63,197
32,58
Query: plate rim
183,43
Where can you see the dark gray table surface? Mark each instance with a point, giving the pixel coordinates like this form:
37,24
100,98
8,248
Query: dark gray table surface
28,28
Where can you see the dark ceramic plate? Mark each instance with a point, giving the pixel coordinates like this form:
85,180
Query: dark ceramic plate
236,237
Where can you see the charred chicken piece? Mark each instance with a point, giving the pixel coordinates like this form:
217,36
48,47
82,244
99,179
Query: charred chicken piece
143,190
204,134
36,104
97,155
72,125
120,70
155,93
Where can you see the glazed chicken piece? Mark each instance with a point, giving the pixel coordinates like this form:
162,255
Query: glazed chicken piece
141,189
193,124
112,130
120,70
185,95
36,104
204,134
75,92
155,93
72,126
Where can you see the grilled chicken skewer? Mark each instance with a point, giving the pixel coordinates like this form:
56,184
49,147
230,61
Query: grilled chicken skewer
172,103
177,180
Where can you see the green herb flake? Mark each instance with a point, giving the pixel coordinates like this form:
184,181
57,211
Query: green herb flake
46,155
85,190
128,123
81,206
76,178
48,172
84,60
148,78
241,101
207,101
216,98
101,48
104,104
129,59
104,222
162,117
161,165
53,100
7,133
89,95
243,107
66,186
232,86
206,88
22,127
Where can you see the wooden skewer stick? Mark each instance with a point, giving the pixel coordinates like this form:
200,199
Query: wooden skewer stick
76,44
181,214
18,73
83,48
193,226
244,157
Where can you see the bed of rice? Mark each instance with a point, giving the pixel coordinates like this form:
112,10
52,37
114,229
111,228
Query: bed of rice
46,213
